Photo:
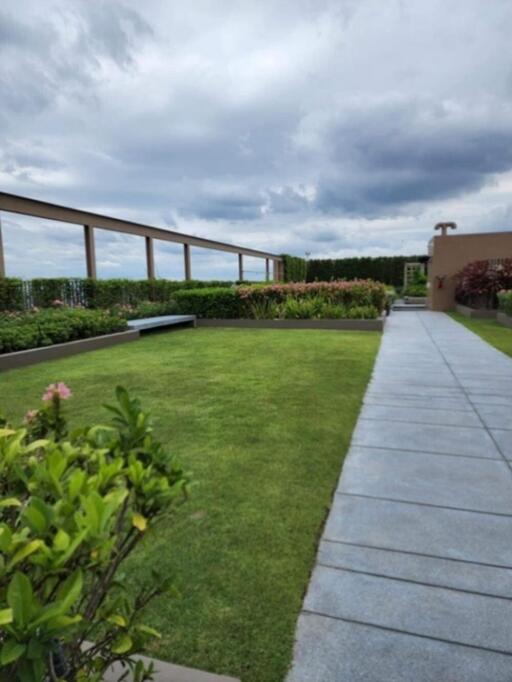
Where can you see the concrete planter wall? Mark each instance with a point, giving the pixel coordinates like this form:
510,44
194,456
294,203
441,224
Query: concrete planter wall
415,300
504,319
476,313
23,358
358,325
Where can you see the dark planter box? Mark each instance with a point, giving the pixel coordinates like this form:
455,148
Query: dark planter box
357,325
22,358
476,313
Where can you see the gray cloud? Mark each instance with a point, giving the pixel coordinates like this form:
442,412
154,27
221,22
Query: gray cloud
333,127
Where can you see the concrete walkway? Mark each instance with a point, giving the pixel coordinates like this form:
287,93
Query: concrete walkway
413,581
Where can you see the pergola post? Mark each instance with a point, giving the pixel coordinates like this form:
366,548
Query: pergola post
2,259
150,258
267,269
186,255
90,254
278,274
240,267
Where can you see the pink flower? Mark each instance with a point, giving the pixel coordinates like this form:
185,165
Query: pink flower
58,390
30,416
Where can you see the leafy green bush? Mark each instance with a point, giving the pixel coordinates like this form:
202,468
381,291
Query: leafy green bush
74,507
21,331
11,294
505,302
211,303
418,285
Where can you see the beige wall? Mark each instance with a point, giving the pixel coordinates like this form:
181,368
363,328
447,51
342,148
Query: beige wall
451,253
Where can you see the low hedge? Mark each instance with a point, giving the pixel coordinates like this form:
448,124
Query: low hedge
505,302
21,331
11,294
216,302
319,300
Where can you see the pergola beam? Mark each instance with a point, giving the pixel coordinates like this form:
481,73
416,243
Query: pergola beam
42,209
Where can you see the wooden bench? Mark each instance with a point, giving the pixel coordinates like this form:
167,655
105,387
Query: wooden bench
162,321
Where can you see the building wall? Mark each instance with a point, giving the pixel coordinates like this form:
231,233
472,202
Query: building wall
451,253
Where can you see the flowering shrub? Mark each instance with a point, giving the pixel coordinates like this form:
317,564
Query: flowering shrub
356,293
74,507
143,309
20,331
358,299
505,302
479,282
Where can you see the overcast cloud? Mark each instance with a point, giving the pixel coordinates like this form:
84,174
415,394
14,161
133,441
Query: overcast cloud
337,128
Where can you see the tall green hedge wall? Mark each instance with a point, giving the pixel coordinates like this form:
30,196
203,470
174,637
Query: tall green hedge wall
294,268
385,269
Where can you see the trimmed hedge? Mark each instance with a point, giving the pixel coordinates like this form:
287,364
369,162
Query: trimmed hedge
21,331
16,294
360,299
386,269
295,268
216,302
11,294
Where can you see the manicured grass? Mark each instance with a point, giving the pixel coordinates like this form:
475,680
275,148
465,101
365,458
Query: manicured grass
263,419
491,331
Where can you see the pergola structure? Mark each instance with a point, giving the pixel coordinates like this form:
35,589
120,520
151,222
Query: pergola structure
13,203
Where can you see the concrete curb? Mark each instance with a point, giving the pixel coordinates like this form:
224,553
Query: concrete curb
340,325
475,313
23,358
167,672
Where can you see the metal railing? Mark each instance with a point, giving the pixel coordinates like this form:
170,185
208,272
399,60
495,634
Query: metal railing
13,203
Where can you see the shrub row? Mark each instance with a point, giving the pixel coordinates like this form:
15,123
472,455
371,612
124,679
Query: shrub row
479,282
21,331
16,294
314,300
386,269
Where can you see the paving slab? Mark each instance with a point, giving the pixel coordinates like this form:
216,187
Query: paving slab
458,440
386,602
495,416
330,650
422,415
446,533
462,575
413,579
476,484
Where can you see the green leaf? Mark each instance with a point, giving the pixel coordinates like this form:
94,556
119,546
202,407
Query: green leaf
148,630
71,589
122,644
10,502
11,651
6,616
24,552
61,541
19,598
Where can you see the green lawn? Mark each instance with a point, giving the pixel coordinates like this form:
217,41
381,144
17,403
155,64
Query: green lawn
491,331
263,419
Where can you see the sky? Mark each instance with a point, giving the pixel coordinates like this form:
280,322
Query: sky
331,128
